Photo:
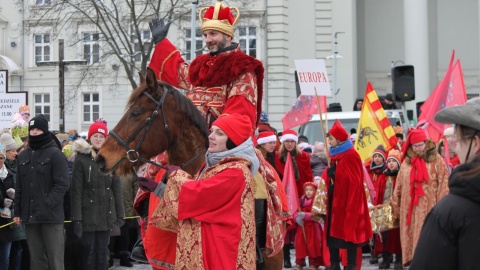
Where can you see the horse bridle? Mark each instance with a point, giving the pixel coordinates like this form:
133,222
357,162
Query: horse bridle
132,154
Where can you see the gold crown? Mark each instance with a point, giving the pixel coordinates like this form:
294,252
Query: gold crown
219,24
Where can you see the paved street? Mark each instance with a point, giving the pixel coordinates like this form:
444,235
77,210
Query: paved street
365,265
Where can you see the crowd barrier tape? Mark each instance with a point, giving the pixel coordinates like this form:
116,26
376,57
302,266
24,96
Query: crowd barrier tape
66,221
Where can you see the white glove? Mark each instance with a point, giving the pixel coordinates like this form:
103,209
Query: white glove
11,193
7,202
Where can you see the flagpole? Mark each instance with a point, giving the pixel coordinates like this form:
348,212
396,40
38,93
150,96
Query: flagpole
322,126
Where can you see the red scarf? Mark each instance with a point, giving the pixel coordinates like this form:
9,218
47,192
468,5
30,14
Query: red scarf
418,174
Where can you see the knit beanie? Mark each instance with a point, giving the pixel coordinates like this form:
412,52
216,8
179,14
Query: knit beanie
237,127
381,151
40,122
97,127
8,142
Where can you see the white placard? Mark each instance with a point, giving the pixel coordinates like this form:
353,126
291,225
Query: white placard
3,81
9,105
312,74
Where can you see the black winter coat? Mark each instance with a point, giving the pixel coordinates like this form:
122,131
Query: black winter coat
41,184
5,184
97,198
450,236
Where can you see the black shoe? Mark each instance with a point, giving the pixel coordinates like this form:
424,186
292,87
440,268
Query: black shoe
124,261
385,264
374,259
398,265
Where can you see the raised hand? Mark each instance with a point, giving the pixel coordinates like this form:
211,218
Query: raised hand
159,29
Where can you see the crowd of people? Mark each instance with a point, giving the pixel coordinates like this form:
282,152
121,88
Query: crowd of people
58,210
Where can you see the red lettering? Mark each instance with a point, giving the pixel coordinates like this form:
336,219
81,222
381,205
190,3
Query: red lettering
309,77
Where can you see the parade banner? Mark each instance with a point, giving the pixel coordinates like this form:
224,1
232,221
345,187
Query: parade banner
312,75
302,110
448,93
374,128
290,186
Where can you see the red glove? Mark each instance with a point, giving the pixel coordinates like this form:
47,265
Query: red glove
147,184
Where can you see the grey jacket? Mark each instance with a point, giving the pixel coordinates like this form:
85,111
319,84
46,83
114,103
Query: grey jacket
97,199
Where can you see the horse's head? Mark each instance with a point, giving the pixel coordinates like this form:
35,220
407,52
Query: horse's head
155,121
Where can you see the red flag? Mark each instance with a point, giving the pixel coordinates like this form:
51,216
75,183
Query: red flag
302,109
290,186
449,92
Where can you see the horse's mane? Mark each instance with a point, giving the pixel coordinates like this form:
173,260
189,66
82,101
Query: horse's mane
183,104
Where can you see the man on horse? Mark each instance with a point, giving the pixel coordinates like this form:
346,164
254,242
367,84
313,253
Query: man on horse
224,81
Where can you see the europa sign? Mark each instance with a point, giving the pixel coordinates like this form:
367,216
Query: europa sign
9,102
312,74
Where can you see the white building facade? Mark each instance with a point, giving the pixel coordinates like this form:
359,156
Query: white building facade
370,35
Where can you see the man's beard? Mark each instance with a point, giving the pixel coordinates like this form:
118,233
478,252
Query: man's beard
219,45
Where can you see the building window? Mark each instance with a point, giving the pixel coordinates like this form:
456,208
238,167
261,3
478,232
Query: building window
91,48
42,2
42,105
91,107
247,37
42,47
198,42
145,38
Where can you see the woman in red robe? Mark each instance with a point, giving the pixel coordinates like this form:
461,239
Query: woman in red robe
215,209
302,172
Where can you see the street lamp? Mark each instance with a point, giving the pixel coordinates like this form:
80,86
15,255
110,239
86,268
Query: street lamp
61,78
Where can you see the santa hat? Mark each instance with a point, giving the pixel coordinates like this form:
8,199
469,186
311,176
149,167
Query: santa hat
237,127
396,155
381,151
97,127
266,137
338,131
24,109
289,135
219,18
312,184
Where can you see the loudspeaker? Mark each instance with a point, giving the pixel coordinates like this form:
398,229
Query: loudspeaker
403,83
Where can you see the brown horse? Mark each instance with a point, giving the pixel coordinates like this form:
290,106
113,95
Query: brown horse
158,118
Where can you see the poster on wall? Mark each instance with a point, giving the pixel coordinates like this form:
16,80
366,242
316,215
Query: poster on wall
9,102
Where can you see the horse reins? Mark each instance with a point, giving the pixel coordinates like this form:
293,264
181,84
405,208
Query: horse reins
132,154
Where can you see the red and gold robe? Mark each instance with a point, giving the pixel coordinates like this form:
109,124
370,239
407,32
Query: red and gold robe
435,188
225,83
215,215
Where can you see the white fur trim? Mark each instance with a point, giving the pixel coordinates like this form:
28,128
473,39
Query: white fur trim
287,137
263,140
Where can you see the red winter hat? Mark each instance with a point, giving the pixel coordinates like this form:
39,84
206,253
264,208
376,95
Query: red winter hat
414,136
237,127
97,127
266,137
289,135
338,131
